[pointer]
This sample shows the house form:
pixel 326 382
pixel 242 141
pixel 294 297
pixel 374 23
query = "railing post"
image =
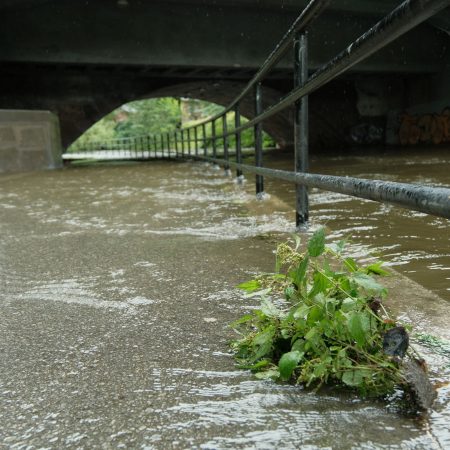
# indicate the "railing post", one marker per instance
pixel 301 126
pixel 182 143
pixel 155 144
pixel 205 149
pixel 258 140
pixel 225 143
pixel 175 138
pixel 196 140
pixel 189 141
pixel 213 135
pixel 148 146
pixel 237 124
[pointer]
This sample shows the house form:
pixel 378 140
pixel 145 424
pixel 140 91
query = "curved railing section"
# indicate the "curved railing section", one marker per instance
pixel 193 141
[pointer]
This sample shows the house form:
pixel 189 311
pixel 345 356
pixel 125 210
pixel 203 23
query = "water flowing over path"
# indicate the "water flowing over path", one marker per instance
pixel 117 288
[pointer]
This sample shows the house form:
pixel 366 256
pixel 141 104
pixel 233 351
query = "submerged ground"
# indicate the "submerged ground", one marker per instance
pixel 118 285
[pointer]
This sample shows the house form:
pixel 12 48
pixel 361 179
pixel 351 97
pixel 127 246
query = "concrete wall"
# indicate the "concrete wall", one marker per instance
pixel 29 140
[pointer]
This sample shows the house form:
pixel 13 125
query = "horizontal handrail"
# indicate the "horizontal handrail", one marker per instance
pixel 308 15
pixel 402 19
pixel 410 13
pixel 426 199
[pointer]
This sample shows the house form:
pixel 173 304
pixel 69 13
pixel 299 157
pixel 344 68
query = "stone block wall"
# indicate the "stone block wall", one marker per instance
pixel 29 140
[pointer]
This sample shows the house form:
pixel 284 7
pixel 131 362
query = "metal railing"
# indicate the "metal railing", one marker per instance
pixel 178 143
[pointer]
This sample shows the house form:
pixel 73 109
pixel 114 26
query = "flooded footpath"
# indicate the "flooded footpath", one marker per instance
pixel 117 286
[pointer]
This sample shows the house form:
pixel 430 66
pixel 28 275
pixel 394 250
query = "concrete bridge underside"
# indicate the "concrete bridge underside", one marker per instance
pixel 83 59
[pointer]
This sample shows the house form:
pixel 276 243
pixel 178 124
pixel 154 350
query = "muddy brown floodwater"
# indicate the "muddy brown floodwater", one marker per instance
pixel 117 285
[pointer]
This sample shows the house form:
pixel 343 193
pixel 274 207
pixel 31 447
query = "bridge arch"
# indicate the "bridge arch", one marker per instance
pixel 331 110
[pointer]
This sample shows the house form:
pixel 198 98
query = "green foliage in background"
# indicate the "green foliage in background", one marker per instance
pixel 320 321
pixel 162 115
pixel 137 118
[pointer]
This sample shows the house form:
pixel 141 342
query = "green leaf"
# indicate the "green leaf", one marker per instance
pixel 269 309
pixel 316 244
pixel 356 328
pixel 355 377
pixel 349 304
pixel 298 275
pixel 259 365
pixel 351 265
pixel 368 283
pixel 241 320
pixel 289 292
pixel 377 269
pixel 288 363
pixel 301 312
pixel 321 284
pixel 298 345
pixel 263 342
pixel 315 314
pixel 250 286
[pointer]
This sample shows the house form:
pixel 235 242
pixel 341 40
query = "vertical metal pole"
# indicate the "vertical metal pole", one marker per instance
pixel 225 143
pixel 237 124
pixel 213 135
pixel 258 140
pixel 168 145
pixel 148 146
pixel 205 150
pixel 182 143
pixel 155 144
pixel 301 127
pixel 189 141
pixel 175 137
pixel 196 141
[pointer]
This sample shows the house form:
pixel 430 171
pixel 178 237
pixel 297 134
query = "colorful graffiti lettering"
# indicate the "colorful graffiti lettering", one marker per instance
pixel 426 128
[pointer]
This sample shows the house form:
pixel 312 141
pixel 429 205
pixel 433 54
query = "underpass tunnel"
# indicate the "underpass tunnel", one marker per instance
pixel 153 118
pixel 333 110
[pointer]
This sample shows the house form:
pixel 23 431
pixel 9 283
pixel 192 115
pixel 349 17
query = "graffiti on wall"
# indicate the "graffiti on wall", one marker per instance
pixel 424 128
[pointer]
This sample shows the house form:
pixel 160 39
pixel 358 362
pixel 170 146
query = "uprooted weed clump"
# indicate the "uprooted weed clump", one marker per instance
pixel 321 320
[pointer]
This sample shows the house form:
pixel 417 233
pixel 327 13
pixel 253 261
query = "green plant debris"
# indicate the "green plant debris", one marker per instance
pixel 321 321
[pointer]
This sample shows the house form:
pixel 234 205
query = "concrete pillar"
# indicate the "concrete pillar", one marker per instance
pixel 29 140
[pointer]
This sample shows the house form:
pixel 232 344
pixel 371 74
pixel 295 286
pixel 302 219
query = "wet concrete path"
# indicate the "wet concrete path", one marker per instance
pixel 117 288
